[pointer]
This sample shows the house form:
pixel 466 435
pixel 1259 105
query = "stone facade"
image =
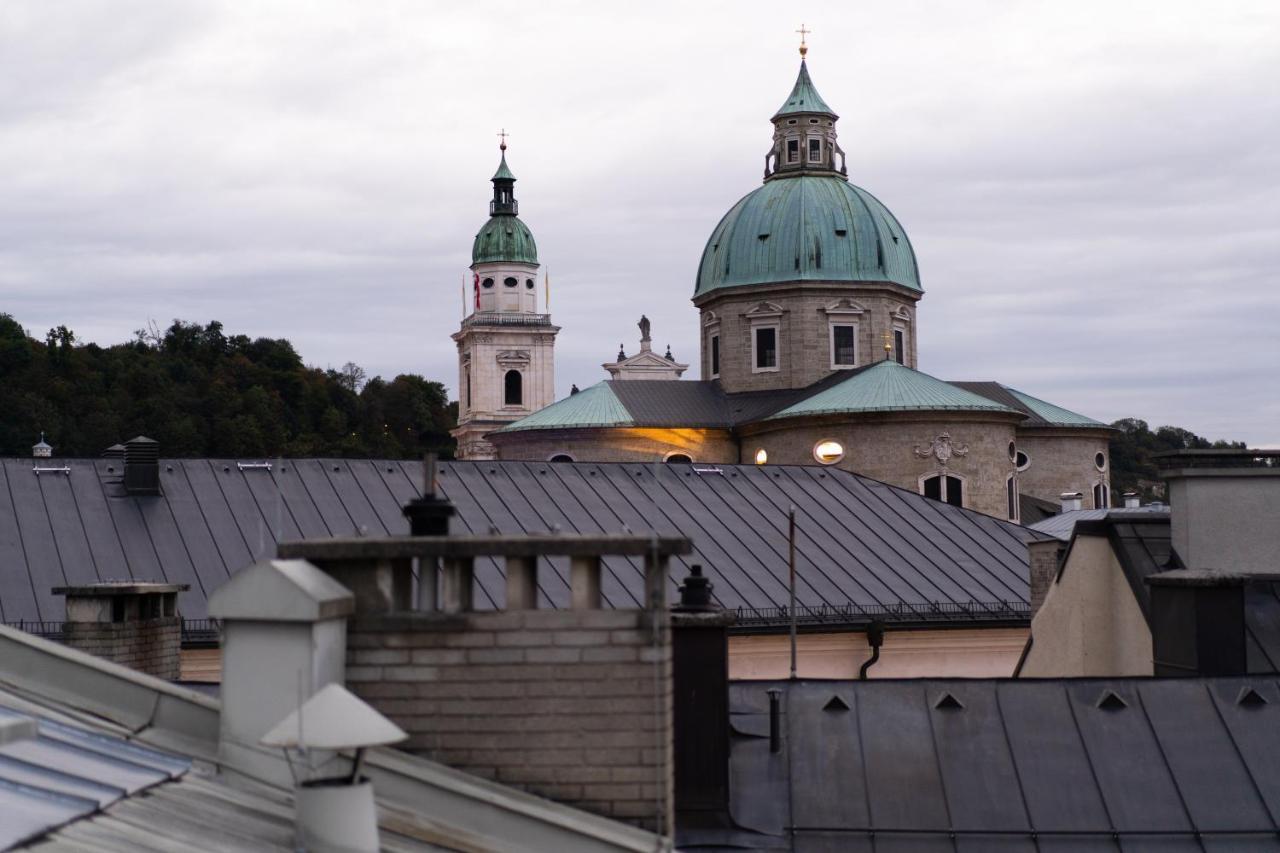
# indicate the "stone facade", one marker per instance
pixel 617 444
pixel 152 646
pixel 803 313
pixel 1043 558
pixel 571 705
pixel 1062 460
pixel 883 446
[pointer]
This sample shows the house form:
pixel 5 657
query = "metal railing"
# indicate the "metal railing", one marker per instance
pixel 194 631
pixel 854 614
pixel 496 318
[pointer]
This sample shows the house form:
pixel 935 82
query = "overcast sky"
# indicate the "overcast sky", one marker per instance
pixel 1092 188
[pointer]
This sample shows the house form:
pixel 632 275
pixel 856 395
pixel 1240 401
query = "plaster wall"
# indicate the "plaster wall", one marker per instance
pixel 485 353
pixel 618 445
pixel 1062 460
pixel 522 298
pixel 937 653
pixel 882 446
pixel 1090 624
pixel 1226 519
pixel 804 340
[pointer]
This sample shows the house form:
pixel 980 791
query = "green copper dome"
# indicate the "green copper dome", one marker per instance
pixel 807 227
pixel 804 97
pixel 504 238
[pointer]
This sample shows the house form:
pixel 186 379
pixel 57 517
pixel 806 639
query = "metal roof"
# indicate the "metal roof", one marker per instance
pixel 504 237
pixel 597 406
pixel 864 548
pixel 804 97
pixel 805 227
pixel 1062 525
pixel 1039 413
pixel 887 386
pixel 957 765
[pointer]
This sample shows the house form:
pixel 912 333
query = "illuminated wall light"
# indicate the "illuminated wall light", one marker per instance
pixel 762 456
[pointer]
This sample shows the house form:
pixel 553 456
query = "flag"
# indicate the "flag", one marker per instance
pixel 477 288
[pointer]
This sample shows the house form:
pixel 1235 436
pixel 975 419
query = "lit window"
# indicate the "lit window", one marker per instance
pixel 900 346
pixel 1101 495
pixel 762 456
pixel 793 151
pixel 1100 461
pixel 715 355
pixel 1011 495
pixel 828 452
pixel 679 459
pixel 943 487
pixel 766 348
pixel 844 346
pixel 513 385
pixel 815 150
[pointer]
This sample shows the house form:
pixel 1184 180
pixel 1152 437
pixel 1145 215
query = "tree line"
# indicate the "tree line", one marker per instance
pixel 201 392
pixel 1132 449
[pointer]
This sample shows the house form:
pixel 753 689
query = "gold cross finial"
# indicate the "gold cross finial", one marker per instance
pixel 803 47
pixel 502 146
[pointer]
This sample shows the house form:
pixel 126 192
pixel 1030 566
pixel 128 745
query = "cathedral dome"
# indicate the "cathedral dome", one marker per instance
pixel 504 238
pixel 807 228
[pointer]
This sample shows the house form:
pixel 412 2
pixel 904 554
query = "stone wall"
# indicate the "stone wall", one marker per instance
pixel 804 348
pixel 571 705
pixel 882 446
pixel 1062 460
pixel 1044 567
pixel 618 445
pixel 152 646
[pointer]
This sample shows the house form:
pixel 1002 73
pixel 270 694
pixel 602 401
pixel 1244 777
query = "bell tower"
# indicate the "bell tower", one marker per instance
pixel 506 349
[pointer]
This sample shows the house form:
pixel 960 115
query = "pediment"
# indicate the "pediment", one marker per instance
pixel 765 309
pixel 844 306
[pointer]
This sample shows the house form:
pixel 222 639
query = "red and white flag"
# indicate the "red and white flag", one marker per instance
pixel 477 288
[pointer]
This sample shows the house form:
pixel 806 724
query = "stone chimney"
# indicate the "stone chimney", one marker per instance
pixel 1071 501
pixel 1224 506
pixel 284 636
pixel 1132 501
pixel 141 466
pixel 136 624
pixel 573 704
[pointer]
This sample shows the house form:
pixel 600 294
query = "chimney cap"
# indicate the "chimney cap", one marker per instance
pixel 109 588
pixel 334 718
pixel 141 439
pixel 281 591
pixel 1208 577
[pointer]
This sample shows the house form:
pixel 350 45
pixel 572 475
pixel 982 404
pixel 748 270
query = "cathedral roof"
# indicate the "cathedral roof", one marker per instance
pixel 596 406
pixel 808 228
pixel 503 173
pixel 1039 413
pixel 887 386
pixel 504 238
pixel 804 97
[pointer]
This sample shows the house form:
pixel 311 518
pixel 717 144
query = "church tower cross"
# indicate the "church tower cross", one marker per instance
pixel 803 32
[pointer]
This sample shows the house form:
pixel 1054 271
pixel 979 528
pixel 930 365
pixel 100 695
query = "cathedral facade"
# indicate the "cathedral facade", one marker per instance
pixel 807 293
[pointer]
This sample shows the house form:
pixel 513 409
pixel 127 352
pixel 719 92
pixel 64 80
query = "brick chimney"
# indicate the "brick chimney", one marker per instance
pixel 574 704
pixel 136 624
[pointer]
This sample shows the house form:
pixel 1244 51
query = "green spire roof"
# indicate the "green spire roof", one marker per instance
pixel 1054 415
pixel 804 98
pixel 596 406
pixel 887 386
pixel 503 173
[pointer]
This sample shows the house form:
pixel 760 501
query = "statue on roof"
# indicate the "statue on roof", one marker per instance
pixel 644 329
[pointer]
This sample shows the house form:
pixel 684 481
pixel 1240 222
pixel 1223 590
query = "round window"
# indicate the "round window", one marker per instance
pixel 528 284
pixel 1100 461
pixel 828 451
pixel 510 282
pixel 1022 461
pixel 1013 452
pixel 488 282
pixel 762 456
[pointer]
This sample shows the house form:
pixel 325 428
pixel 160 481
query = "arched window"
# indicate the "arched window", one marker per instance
pixel 1011 495
pixel 561 457
pixel 678 458
pixel 513 386
pixel 943 487
pixel 1101 496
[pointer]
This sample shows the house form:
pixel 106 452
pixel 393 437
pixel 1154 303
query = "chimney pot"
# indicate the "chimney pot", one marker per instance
pixel 1071 501
pixel 1132 501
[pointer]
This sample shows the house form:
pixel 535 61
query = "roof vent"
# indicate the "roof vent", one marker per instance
pixel 1111 701
pixel 115 451
pixel 835 703
pixel 141 466
pixel 947 702
pixel 1250 698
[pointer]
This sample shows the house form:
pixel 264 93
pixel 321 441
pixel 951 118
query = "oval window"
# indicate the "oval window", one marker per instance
pixel 488 282
pixel 762 456
pixel 528 284
pixel 828 451
pixel 510 282
pixel 1100 461
pixel 1022 461
pixel 1013 452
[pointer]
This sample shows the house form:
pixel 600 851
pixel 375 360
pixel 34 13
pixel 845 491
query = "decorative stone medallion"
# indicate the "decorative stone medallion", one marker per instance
pixel 942 449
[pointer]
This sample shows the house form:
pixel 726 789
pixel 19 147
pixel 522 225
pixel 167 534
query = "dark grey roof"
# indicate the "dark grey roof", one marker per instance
pixel 673 402
pixel 1033 510
pixel 1063 524
pixel 864 548
pixel 984 765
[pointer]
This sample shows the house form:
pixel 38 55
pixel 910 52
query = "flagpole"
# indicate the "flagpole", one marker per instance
pixel 546 288
pixel 464 296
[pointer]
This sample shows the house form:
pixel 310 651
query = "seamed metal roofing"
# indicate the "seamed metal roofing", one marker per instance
pixel 997 765
pixel 864 549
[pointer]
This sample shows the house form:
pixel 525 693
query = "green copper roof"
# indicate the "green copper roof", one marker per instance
pixel 1055 415
pixel 596 406
pixel 503 172
pixel 804 98
pixel 504 238
pixel 887 386
pixel 807 228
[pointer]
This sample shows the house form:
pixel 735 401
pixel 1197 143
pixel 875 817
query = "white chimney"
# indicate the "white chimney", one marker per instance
pixel 284 637
pixel 1132 501
pixel 1071 501
pixel 334 814
pixel 41 449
